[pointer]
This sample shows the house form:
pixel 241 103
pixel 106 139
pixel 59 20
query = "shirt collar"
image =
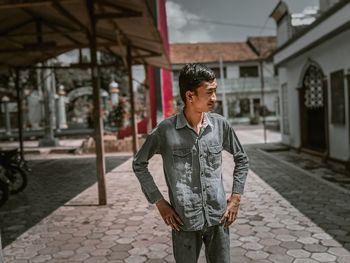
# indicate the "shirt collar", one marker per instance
pixel 181 120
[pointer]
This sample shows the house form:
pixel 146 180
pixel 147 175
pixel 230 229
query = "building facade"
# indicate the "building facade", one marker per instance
pixel 314 72
pixel 239 77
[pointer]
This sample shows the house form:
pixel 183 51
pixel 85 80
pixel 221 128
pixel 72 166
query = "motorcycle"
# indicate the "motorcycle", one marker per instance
pixel 13 171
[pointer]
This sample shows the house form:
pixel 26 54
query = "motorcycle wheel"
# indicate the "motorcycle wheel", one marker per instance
pixel 18 179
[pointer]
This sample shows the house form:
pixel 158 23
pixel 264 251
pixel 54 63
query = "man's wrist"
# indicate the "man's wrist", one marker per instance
pixel 235 197
pixel 159 202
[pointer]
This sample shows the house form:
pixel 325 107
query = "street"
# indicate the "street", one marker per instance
pixel 285 216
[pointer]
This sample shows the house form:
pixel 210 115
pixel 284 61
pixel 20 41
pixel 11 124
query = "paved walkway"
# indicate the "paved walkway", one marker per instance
pixel 285 217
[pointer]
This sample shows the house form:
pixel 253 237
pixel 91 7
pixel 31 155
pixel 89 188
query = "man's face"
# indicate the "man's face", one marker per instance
pixel 204 99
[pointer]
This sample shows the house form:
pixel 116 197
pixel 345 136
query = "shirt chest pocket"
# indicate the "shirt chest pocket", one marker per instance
pixel 214 156
pixel 182 161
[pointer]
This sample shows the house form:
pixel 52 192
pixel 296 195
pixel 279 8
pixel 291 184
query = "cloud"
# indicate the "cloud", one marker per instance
pixel 183 27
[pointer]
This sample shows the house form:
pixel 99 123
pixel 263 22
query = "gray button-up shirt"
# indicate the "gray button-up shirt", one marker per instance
pixel 192 165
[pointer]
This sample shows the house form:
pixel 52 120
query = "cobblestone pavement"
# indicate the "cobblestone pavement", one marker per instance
pixel 285 217
pixel 334 173
pixel 51 184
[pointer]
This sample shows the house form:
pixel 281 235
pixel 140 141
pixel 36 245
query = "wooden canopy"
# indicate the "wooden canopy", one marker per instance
pixel 32 31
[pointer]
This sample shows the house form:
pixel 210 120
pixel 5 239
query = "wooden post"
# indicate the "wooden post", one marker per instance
pixel 98 121
pixel 132 102
pixel 19 113
pixel 1 253
pixel 262 95
pixel 148 101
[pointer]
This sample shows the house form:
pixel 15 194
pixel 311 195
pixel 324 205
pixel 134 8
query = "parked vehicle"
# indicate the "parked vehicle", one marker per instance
pixel 13 171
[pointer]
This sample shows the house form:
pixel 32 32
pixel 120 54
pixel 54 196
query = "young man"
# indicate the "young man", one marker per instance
pixel 190 144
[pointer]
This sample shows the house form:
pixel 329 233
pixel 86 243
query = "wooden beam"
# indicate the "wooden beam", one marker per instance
pixel 40 45
pixel 117 15
pixel 52 48
pixel 7 31
pixel 155 54
pixel 48 20
pixel 132 102
pixel 98 121
pixel 73 19
pixel 19 112
pixel 66 35
pixel 115 5
pixel 55 31
pixel 13 4
pixel 39 30
pixel 57 5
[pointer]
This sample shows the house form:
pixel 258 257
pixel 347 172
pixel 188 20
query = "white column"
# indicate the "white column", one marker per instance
pixel 62 117
pixel 251 105
pixel 114 91
pixel 49 139
pixel 224 102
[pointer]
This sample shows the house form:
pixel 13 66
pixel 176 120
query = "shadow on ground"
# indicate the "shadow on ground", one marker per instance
pixel 327 207
pixel 51 184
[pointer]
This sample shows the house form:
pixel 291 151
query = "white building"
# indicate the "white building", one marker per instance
pixel 241 73
pixel 314 73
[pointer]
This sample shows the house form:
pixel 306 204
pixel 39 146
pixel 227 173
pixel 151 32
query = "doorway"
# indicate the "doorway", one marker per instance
pixel 313 110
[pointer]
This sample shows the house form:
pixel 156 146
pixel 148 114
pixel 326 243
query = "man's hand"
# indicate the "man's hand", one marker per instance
pixel 169 215
pixel 231 210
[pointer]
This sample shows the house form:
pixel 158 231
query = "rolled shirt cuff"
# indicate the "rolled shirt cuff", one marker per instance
pixel 154 196
pixel 238 188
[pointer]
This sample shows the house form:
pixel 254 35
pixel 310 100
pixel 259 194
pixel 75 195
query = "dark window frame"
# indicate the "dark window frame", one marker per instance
pixel 337 82
pixel 249 71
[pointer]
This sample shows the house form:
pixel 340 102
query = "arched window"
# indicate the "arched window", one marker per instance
pixel 313 85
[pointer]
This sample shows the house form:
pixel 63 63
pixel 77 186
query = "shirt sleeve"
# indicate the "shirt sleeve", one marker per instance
pixel 233 146
pixel 140 166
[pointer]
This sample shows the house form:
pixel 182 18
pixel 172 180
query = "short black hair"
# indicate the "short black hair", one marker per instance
pixel 191 76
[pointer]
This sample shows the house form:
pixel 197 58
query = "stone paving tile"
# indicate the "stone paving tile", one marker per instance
pixel 271 225
pixel 331 172
pixel 51 184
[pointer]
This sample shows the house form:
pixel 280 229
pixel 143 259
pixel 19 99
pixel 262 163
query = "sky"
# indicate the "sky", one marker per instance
pixel 224 20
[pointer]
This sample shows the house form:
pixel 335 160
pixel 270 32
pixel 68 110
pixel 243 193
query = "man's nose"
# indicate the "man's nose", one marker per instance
pixel 213 97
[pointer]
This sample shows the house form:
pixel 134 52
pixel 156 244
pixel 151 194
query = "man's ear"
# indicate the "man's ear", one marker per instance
pixel 189 95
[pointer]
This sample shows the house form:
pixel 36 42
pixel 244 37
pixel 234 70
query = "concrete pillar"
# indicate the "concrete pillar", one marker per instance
pixel 5 101
pixel 251 105
pixel 114 91
pixel 49 139
pixel 61 109
pixel 224 101
pixel 57 113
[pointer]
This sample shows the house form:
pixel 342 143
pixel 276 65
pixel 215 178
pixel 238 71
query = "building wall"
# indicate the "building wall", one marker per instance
pixel 284 30
pixel 331 56
pixel 241 88
pixel 326 4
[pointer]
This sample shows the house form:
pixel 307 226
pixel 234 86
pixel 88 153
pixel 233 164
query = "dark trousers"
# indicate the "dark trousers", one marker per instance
pixel 187 245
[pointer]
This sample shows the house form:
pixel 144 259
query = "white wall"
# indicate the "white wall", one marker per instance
pixel 326 4
pixel 283 30
pixel 232 71
pixel 332 55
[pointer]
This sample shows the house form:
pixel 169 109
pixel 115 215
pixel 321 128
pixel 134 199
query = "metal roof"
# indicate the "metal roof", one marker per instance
pixel 33 31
